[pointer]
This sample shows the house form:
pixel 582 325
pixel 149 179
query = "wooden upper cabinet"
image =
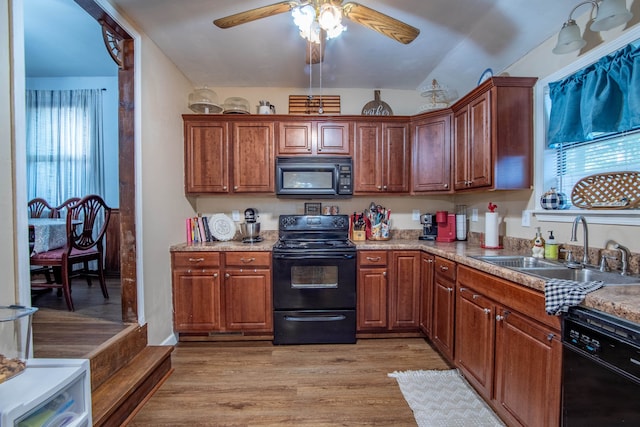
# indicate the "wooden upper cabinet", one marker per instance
pixel 206 157
pixel 431 154
pixel 493 135
pixel 381 157
pixel 253 158
pixel 311 137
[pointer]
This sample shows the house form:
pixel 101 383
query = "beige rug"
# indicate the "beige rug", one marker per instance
pixel 444 399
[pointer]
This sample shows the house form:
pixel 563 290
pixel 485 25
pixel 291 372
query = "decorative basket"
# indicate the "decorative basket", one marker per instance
pixel 613 190
pixel 552 199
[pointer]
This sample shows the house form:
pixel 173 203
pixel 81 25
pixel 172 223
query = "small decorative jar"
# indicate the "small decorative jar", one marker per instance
pixel 553 199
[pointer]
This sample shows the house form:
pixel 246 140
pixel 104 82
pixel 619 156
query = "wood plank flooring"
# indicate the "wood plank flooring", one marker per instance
pixel 59 333
pixel 259 384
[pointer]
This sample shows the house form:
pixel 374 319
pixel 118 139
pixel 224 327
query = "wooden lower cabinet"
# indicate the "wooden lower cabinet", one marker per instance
pixel 388 295
pixel 196 291
pixel 513 360
pixel 444 306
pixel 222 292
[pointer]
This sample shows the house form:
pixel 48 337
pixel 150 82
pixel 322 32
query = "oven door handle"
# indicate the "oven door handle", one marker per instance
pixel 316 318
pixel 313 257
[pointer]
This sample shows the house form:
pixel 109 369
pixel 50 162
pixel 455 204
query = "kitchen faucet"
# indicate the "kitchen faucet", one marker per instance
pixel 574 231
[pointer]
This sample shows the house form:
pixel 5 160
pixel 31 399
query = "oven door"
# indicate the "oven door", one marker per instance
pixel 308 281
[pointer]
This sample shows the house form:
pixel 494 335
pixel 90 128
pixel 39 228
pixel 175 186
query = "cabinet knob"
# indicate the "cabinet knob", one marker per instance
pixel 446 186
pixel 319 149
pixel 384 187
pixel 444 268
pixel 463 289
pixel 215 275
pixel 449 289
pixel 487 311
pixel 499 318
pixel 235 187
pixel 224 187
pixel 379 187
pixel 384 274
pixel 227 275
pixel 550 337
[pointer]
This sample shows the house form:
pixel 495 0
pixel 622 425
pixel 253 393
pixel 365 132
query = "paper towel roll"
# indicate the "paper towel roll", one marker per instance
pixel 491 235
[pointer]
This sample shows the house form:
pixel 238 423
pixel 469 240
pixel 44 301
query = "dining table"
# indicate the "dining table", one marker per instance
pixel 46 234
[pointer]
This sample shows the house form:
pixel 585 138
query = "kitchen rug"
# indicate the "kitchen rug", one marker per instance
pixel 444 399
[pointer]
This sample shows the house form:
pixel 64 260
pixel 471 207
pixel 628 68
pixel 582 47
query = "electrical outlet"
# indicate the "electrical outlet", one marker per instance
pixel 416 215
pixel 474 215
pixel 235 215
pixel 526 218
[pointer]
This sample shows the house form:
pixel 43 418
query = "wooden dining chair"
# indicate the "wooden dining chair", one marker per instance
pixel 61 210
pixel 84 244
pixel 40 208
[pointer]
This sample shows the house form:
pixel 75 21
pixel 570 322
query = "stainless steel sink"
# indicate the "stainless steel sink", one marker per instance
pixel 518 261
pixel 547 269
pixel 582 275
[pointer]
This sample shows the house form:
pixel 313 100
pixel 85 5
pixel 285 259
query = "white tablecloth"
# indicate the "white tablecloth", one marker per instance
pixel 48 233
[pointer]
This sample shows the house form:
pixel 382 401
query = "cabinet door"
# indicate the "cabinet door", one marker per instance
pixel 253 165
pixel 528 371
pixel 294 138
pixel 404 291
pixel 206 158
pixel 395 162
pixel 248 301
pixel 196 300
pixel 431 155
pixel 479 148
pixel 368 158
pixel 334 138
pixel 443 316
pixel 372 298
pixel 426 294
pixel 474 336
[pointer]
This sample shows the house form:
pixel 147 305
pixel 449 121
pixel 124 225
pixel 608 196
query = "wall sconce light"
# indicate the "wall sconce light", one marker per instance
pixel 609 14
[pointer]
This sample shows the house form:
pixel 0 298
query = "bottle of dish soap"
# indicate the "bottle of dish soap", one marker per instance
pixel 551 247
pixel 538 245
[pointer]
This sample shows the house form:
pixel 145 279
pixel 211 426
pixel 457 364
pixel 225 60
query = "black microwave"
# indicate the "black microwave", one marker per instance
pixel 314 177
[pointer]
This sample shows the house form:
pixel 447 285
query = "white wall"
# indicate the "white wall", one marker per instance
pixel 110 121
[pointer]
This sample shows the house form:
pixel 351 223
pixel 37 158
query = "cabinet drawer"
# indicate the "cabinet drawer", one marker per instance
pixel 195 259
pixel 446 269
pixel 248 259
pixel 370 258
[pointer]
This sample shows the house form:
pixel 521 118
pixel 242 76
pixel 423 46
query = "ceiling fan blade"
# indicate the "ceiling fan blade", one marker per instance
pixel 253 14
pixel 384 24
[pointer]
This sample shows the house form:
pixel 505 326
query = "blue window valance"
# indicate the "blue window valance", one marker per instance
pixel 603 98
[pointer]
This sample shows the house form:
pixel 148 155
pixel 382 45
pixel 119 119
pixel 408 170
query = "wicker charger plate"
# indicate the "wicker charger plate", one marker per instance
pixel 613 190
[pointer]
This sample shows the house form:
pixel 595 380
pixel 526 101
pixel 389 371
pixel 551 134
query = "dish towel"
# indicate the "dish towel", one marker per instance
pixel 560 294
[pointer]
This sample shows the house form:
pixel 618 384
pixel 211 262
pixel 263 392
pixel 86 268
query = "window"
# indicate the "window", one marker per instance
pixel 64 144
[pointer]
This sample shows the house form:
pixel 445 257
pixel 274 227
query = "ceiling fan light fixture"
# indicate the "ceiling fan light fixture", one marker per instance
pixel 327 18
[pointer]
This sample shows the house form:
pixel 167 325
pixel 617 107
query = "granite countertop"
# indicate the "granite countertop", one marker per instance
pixel 622 301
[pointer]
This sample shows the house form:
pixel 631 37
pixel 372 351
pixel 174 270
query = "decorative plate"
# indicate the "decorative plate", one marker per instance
pixel 222 227
pixel 486 75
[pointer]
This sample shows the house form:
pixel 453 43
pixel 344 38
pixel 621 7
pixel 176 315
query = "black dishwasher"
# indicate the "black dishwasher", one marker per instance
pixel 601 370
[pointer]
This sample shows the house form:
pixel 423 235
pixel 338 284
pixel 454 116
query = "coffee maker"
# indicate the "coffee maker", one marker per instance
pixel 429 227
pixel 250 229
pixel 446 226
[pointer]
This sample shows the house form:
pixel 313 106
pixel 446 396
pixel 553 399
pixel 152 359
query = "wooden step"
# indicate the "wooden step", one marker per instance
pixel 120 396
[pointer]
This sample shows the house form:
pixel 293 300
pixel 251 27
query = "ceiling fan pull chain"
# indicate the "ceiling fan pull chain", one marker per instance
pixel 320 109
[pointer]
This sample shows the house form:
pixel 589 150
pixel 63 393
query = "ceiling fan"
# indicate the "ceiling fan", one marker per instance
pixel 363 15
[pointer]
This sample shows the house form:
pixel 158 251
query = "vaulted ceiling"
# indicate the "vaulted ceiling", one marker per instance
pixel 458 40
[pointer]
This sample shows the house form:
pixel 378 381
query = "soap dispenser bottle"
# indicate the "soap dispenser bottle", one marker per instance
pixel 537 249
pixel 551 247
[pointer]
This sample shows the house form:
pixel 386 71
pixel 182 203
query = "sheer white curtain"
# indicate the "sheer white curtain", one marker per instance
pixel 65 156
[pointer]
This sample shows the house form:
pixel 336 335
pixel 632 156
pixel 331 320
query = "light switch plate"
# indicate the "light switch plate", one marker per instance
pixel 526 218
pixel 235 215
pixel 474 215
pixel 416 215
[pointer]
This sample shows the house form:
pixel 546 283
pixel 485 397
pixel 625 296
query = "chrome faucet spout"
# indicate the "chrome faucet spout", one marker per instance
pixel 585 233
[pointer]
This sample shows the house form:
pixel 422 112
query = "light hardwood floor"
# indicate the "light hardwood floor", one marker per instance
pixel 59 333
pixel 259 384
